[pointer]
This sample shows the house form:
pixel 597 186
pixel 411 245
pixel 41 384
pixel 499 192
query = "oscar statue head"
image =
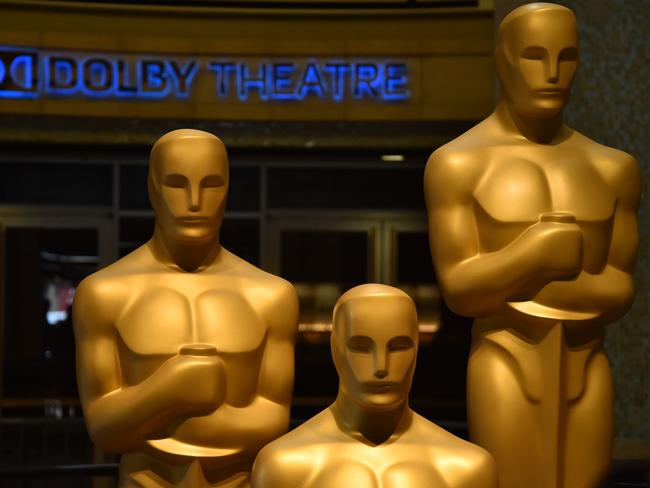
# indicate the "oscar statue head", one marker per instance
pixel 536 58
pixel 188 185
pixel 374 345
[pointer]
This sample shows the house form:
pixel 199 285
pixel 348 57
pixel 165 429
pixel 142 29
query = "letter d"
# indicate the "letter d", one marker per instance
pixel 62 75
pixel 21 71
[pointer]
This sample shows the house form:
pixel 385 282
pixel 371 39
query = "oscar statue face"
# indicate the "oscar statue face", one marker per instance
pixel 374 350
pixel 188 184
pixel 537 57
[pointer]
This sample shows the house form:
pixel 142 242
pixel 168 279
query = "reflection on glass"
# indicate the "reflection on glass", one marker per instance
pixel 323 264
pixel 439 385
pixel 58 290
pixel 412 271
pixel 427 301
pixel 56 184
pixel 43 267
pixel 346 188
pixel 325 256
pixel 317 300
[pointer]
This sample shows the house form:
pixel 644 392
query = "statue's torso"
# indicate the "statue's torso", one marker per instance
pixel 542 339
pixel 522 182
pixel 166 310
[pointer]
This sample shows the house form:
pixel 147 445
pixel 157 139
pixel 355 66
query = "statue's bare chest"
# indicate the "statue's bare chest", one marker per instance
pixel 164 315
pixel 395 469
pixel 517 189
pixel 520 187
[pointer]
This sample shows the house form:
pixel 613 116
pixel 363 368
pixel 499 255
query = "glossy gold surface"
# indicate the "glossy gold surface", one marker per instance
pixel 533 233
pixel 369 437
pixel 184 350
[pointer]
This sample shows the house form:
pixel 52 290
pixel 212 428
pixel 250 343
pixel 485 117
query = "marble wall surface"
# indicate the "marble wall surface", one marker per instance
pixel 610 103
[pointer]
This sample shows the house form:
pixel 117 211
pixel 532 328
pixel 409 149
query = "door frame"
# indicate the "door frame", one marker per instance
pixel 390 228
pixel 381 227
pixel 317 221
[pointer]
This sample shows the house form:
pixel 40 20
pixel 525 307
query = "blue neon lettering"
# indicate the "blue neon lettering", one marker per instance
pixel 62 77
pixel 282 85
pixel 396 82
pixel 97 77
pixel 245 82
pixel 183 76
pixel 155 83
pixel 223 72
pixel 20 75
pixel 28 74
pixel 21 71
pixel 123 74
pixel 366 80
pixel 312 81
pixel 337 72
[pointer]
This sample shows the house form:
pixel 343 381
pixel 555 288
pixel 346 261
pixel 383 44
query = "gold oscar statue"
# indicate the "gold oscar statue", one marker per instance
pixel 533 233
pixel 184 350
pixel 369 437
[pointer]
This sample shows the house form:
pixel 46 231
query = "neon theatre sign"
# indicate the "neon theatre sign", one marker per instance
pixel 26 73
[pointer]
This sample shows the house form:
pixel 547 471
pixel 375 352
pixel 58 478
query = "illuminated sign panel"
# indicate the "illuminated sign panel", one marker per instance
pixel 33 74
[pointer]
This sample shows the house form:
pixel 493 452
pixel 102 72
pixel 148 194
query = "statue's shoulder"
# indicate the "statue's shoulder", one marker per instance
pixel 271 286
pixel 442 440
pixel 318 431
pixel 601 152
pixel 618 168
pixel 471 466
pixel 274 298
pixel 461 162
pixel 292 459
pixel 114 281
pixel 96 302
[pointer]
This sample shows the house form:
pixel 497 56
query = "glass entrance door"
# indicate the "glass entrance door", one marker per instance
pixel 322 256
pixel 43 260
